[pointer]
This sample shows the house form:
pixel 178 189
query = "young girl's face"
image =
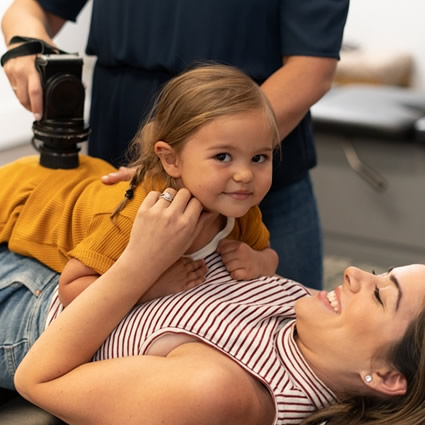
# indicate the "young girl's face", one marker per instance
pixel 227 163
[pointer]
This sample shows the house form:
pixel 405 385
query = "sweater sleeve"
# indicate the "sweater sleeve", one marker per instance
pixel 106 240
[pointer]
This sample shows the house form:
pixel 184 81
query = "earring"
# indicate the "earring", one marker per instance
pixel 368 379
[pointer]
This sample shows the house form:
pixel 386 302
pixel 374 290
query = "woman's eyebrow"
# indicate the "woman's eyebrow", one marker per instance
pixel 398 287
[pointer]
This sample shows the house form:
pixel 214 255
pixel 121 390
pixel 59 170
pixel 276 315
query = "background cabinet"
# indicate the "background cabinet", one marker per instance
pixel 362 222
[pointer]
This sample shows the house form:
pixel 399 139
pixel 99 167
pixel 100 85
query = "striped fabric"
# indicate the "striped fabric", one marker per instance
pixel 253 322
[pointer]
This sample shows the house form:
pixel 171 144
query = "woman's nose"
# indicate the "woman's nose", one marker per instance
pixel 355 278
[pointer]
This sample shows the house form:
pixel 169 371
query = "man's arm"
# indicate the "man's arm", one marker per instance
pixel 292 90
pixel 28 18
pixel 296 86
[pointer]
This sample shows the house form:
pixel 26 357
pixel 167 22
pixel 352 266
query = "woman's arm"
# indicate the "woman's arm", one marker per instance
pixel 58 363
pixel 27 18
pixel 195 384
pixel 296 86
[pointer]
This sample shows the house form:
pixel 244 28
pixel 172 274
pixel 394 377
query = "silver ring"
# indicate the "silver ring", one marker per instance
pixel 167 196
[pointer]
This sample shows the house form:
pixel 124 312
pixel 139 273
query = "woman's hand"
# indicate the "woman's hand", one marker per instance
pixel 162 231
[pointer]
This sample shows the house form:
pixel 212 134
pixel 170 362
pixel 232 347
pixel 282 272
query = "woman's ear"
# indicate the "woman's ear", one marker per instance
pixel 168 157
pixel 387 381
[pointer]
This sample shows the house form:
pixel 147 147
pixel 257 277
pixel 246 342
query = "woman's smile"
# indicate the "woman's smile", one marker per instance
pixel 330 300
pixel 334 302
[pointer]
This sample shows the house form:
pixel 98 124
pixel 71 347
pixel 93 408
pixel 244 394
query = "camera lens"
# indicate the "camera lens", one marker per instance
pixel 65 97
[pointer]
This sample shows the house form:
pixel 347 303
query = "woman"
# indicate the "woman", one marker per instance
pixel 363 340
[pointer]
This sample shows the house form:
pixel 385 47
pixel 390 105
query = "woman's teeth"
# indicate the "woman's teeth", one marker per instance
pixel 333 301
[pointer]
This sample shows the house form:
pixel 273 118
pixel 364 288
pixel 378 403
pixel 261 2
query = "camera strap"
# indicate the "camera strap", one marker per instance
pixel 30 46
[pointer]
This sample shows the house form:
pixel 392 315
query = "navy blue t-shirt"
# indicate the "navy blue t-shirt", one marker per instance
pixel 140 44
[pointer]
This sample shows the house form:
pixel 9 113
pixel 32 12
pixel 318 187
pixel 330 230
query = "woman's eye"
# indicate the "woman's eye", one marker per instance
pixel 259 158
pixel 378 295
pixel 223 157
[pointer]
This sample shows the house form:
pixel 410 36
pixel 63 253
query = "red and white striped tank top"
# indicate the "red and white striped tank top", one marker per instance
pixel 253 322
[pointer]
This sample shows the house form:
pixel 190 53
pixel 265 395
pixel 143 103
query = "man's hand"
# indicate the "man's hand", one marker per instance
pixel 122 174
pixel 25 82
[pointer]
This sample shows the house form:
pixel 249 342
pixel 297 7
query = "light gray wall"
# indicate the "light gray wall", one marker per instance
pixel 390 25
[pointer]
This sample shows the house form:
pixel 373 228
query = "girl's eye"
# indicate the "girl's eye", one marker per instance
pixel 378 295
pixel 259 158
pixel 223 157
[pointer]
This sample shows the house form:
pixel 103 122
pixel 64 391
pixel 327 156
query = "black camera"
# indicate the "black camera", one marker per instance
pixel 62 127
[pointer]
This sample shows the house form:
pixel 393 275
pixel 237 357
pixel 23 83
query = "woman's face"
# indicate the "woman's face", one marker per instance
pixel 362 316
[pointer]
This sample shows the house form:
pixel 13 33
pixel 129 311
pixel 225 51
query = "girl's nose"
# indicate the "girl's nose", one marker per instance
pixel 243 174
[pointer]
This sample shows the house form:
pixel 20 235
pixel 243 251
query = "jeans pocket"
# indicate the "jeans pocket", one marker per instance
pixel 11 356
pixel 17 270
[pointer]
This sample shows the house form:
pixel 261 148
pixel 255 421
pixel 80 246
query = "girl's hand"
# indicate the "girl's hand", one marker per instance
pixel 244 262
pixel 182 275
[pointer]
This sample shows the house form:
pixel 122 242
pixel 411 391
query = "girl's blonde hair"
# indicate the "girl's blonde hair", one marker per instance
pixel 184 104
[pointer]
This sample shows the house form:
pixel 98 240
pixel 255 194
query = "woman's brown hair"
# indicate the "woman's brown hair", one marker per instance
pixel 187 102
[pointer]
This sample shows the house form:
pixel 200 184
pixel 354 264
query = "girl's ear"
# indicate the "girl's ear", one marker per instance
pixel 168 157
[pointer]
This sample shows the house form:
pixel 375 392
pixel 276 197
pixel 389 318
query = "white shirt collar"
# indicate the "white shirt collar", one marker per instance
pixel 211 246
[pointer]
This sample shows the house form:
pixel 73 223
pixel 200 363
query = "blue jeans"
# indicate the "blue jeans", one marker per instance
pixel 292 218
pixel 26 288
